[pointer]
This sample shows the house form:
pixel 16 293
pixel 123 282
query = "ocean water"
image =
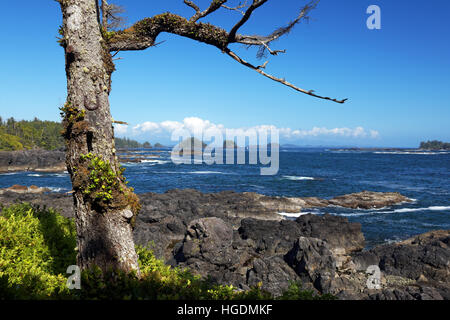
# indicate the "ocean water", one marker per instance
pixel 322 173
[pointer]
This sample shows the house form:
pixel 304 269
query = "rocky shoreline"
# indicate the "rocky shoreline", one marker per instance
pixel 54 161
pixel 32 160
pixel 240 239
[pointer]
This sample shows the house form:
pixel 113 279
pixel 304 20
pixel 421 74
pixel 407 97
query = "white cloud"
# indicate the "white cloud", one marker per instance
pixel 163 130
pixel 374 134
pixel 120 129
pixel 146 127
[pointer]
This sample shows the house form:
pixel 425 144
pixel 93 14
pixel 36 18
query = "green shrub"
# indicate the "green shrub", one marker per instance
pixel 37 245
pixel 295 292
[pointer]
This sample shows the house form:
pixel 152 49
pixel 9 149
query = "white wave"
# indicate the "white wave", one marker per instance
pixel 56 189
pixel 362 209
pixel 294 215
pixel 207 172
pixel 409 152
pixel 193 172
pixel 8 173
pixel 439 208
pixel 391 241
pixel 60 175
pixel 155 161
pixel 298 178
pixel 35 175
pixel 406 210
pixel 354 214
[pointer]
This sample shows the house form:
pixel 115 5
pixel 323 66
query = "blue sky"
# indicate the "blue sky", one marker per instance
pixel 397 79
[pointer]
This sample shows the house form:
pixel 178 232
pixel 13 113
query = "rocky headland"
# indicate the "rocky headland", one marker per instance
pixel 240 239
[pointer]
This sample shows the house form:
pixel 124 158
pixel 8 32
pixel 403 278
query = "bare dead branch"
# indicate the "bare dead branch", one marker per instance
pixel 119 122
pixel 263 66
pixel 104 6
pixel 256 4
pixel 237 8
pixel 265 40
pixel 215 4
pixel 192 5
pixel 272 52
pixel 111 18
pixel 282 81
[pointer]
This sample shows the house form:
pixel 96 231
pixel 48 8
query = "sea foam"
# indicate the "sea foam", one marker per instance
pixel 298 178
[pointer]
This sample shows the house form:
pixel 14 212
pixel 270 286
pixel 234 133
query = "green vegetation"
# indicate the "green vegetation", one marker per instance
pixel 24 134
pixel 435 145
pixel 37 245
pixel 99 183
pixel 102 178
pixel 19 135
pixel 295 292
pixel 126 143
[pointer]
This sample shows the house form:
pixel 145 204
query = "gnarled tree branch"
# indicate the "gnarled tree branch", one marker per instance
pixel 143 35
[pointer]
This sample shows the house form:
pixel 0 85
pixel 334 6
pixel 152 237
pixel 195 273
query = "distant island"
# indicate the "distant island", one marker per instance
pixel 37 134
pixel 435 145
pixel 126 143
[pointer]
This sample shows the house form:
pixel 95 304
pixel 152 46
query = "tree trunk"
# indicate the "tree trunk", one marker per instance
pixel 105 207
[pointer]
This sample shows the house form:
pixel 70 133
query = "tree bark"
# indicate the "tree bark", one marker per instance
pixel 105 207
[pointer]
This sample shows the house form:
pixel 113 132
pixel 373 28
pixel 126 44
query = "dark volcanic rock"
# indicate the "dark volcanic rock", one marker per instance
pixel 32 160
pixel 59 201
pixel 426 256
pixel 340 234
pixel 313 261
pixel 273 273
pixel 270 237
pixel 208 249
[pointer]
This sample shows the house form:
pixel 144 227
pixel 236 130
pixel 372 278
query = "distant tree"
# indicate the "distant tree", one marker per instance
pixel 126 143
pixel 9 142
pixel 33 134
pixel 435 145
pixel 147 145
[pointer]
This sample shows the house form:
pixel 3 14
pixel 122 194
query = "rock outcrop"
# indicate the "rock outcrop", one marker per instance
pixel 239 239
pixel 369 200
pixel 32 160
pixel 24 189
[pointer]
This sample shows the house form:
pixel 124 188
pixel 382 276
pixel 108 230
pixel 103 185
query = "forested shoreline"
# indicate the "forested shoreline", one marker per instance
pixel 42 134
pixel 435 145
